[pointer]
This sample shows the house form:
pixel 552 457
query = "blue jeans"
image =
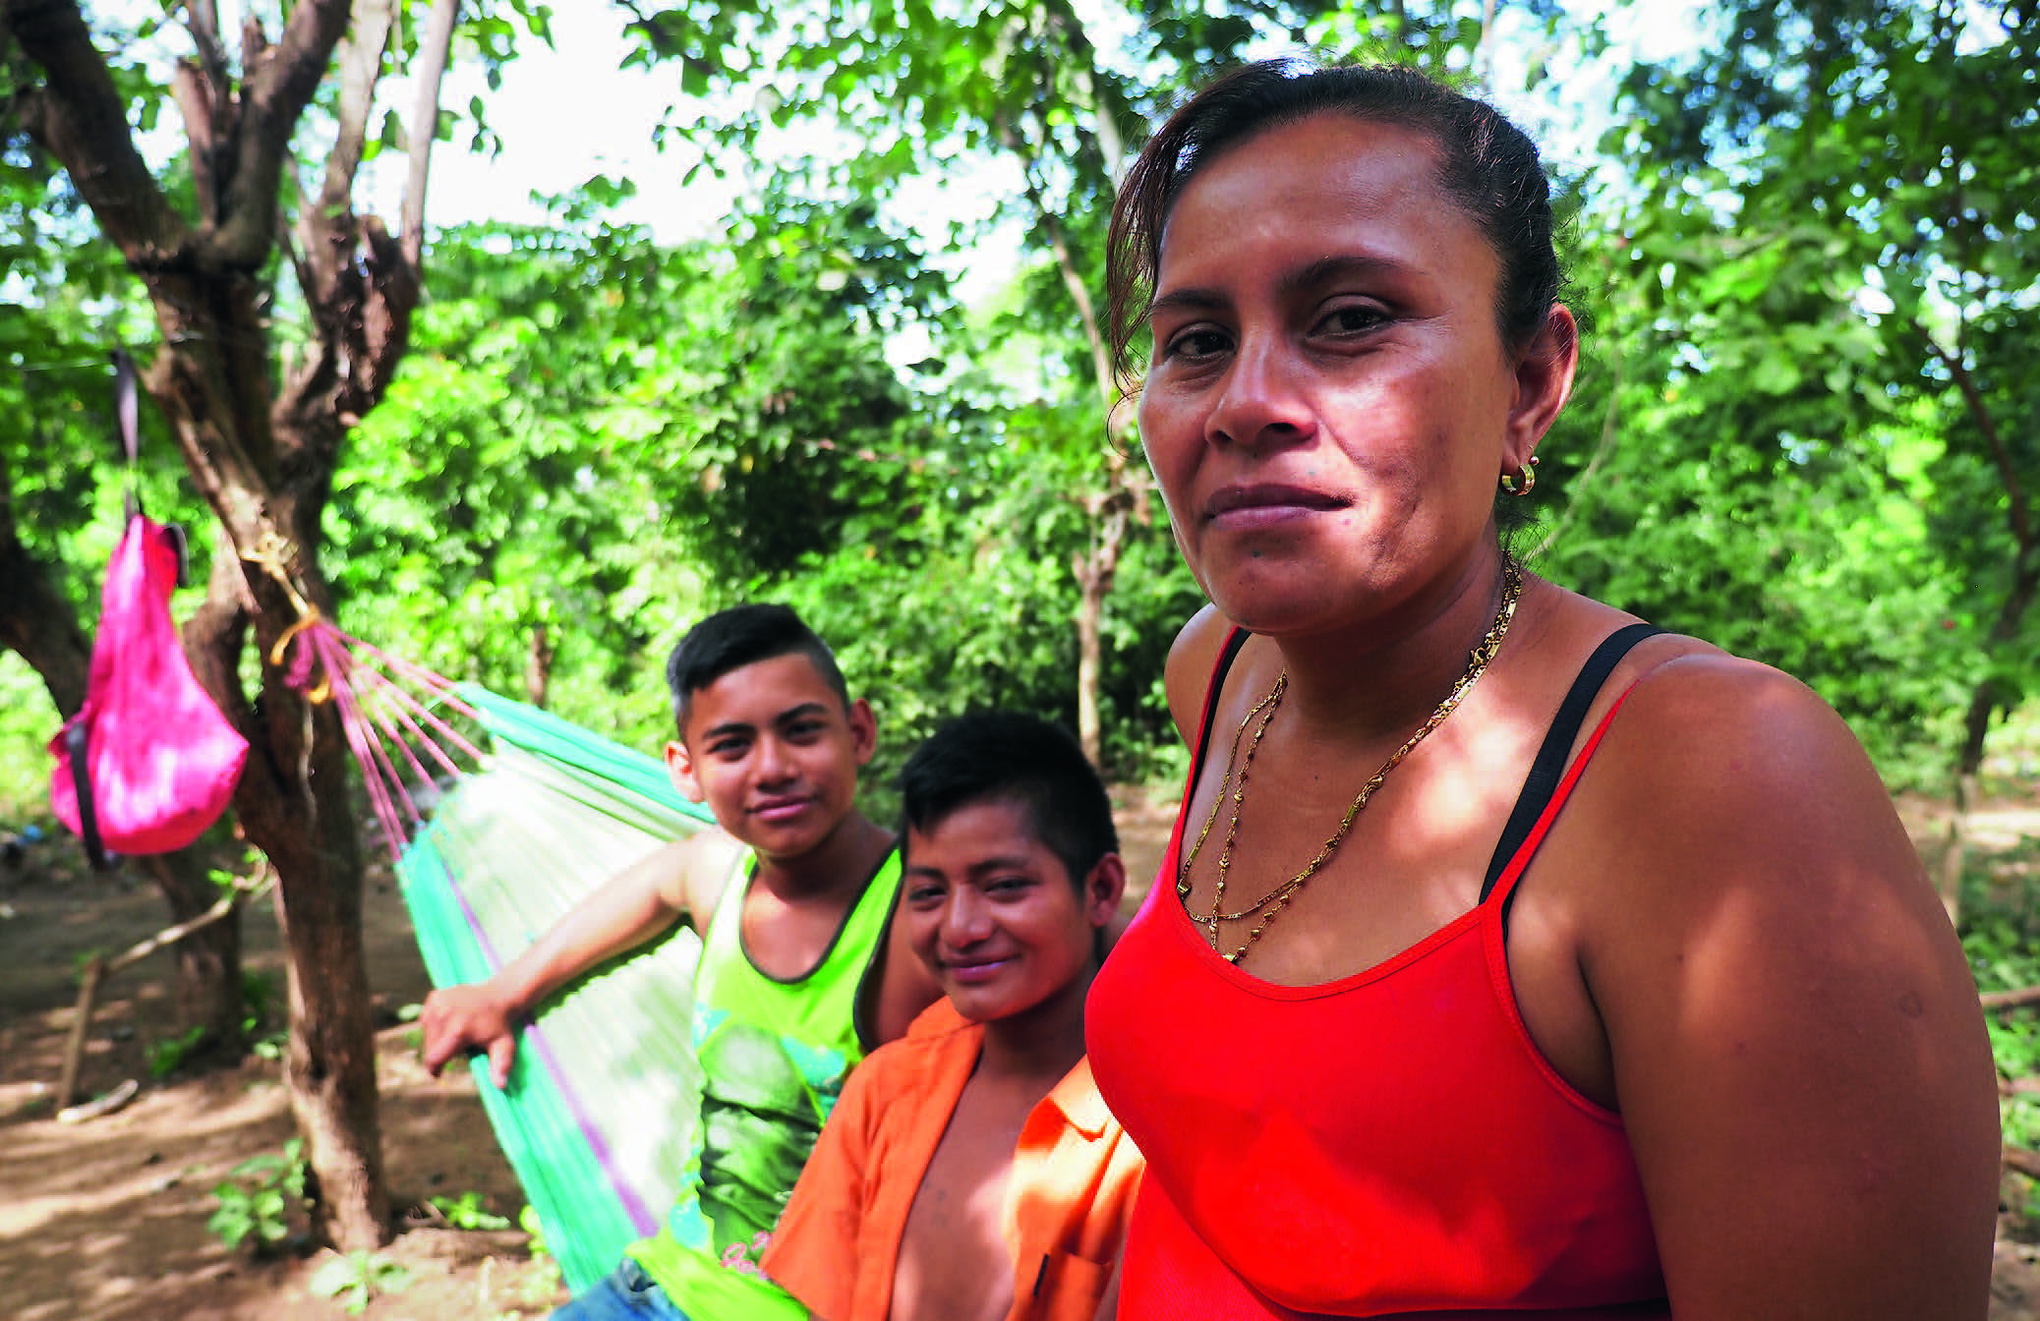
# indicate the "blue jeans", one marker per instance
pixel 625 1294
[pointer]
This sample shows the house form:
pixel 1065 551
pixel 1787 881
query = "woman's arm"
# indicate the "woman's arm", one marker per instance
pixel 1797 1047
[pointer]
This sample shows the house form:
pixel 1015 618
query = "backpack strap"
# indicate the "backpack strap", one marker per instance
pixel 77 749
pixel 126 411
pixel 127 414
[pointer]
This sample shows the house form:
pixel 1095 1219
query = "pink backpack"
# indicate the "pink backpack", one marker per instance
pixel 148 762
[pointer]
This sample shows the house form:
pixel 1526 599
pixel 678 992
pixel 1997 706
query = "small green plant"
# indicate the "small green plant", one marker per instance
pixel 166 1057
pixel 528 1221
pixel 353 1278
pixel 257 1199
pixel 258 993
pixel 545 1282
pixel 2002 956
pixel 466 1212
pixel 224 879
pixel 414 1040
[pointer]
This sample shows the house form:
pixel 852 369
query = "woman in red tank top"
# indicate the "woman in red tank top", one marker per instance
pixel 1509 955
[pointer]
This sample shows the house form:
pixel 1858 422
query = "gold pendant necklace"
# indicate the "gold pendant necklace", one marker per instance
pixel 1272 903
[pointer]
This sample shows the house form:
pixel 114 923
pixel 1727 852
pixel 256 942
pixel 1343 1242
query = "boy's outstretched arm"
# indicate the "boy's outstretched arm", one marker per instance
pixel 685 878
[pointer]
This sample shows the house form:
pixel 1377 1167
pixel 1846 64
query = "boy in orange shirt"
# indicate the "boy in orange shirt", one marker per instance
pixel 970 1171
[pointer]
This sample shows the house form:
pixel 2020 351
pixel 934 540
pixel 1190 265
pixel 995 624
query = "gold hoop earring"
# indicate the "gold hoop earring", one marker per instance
pixel 1524 482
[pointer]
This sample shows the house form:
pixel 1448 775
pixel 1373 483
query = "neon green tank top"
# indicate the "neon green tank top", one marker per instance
pixel 773 1059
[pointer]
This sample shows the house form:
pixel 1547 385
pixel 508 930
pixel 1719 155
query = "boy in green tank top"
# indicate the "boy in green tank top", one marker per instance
pixel 801 971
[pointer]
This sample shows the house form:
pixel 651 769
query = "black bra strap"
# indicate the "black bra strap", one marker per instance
pixel 1230 652
pixel 1549 768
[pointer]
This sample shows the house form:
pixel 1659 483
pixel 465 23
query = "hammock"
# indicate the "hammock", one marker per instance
pixel 491 847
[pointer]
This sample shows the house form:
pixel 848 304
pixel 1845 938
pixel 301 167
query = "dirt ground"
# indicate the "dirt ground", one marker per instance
pixel 106 1220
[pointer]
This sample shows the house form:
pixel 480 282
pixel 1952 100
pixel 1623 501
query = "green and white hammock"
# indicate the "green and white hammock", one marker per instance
pixel 531 814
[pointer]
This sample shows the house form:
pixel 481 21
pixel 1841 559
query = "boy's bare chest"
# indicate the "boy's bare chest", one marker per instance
pixel 789 941
pixel 955 1263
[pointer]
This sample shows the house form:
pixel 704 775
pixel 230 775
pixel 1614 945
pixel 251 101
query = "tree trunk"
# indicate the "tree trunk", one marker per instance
pixel 1094 569
pixel 329 1065
pixel 1955 856
pixel 37 622
pixel 1985 701
pixel 1983 704
pixel 1121 492
pixel 538 667
pixel 293 804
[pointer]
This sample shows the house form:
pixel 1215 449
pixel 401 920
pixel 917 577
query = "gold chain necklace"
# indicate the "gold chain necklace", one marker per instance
pixel 1236 768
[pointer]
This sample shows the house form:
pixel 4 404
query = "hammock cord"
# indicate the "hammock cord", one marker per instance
pixel 499 818
pixel 384 719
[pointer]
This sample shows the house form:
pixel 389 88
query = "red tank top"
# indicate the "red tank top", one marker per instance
pixel 1392 1141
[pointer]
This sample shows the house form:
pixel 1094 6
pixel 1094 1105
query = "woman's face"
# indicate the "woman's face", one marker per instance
pixel 1330 406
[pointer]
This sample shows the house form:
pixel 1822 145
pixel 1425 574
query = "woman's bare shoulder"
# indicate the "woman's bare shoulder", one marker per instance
pixel 1726 714
pixel 1188 671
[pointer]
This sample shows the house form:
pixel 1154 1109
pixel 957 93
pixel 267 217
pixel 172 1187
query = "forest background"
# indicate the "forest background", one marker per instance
pixel 530 454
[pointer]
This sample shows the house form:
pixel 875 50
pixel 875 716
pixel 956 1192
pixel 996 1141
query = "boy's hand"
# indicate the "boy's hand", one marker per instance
pixel 460 1019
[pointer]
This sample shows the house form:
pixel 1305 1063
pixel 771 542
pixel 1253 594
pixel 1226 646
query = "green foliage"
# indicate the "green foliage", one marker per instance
pixel 467 1212
pixel 28 720
pixel 528 1221
pixel 548 1280
pixel 963 601
pixel 258 998
pixel 259 1009
pixel 732 420
pixel 168 1056
pixel 493 493
pixel 261 1199
pixel 1815 283
pixel 353 1279
pixel 2004 955
pixel 941 566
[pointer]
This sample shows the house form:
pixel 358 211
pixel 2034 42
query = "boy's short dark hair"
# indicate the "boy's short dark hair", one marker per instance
pixel 1002 756
pixel 739 636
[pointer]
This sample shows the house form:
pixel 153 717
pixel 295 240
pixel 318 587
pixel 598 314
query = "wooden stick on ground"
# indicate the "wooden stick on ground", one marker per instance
pixel 99 968
pixel 2024 1161
pixel 2019 999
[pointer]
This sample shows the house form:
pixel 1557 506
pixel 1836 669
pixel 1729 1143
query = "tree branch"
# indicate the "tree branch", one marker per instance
pixel 360 61
pixel 1065 260
pixel 277 84
pixel 79 117
pixel 197 100
pixel 202 21
pixel 2018 999
pixel 1083 65
pixel 432 50
pixel 1979 413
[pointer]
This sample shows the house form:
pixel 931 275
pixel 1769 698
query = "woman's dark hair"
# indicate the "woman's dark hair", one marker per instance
pixel 1485 164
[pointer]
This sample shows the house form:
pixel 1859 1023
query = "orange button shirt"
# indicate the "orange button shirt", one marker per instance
pixel 1068 1198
